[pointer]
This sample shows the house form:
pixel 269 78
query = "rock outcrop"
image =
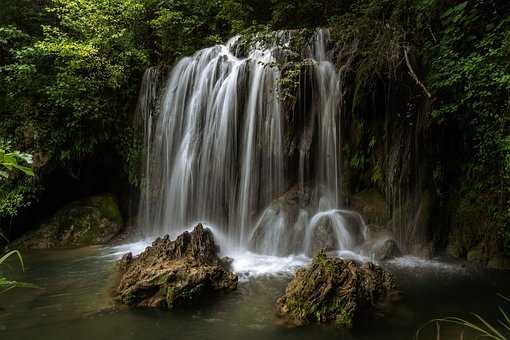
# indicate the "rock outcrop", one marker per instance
pixel 380 244
pixel 385 250
pixel 323 237
pixel 171 273
pixel 334 290
pixel 91 221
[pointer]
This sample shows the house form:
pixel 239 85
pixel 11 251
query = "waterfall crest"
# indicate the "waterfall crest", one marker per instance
pixel 218 150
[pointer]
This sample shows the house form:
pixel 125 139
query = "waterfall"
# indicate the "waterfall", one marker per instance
pixel 217 150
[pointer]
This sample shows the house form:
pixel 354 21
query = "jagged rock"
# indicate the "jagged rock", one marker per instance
pixel 386 250
pixel 94 220
pixel 334 290
pixel 170 273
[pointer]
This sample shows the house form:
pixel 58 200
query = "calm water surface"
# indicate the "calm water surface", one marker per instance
pixel 74 303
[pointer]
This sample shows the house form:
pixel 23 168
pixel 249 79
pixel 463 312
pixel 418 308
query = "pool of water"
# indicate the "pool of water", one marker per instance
pixel 73 301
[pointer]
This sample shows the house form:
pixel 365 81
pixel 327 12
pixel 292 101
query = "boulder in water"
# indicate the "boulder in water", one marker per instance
pixel 334 290
pixel 171 273
pixel 323 237
pixel 386 250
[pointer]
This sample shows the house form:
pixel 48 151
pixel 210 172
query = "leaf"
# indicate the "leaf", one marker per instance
pixel 12 253
pixel 8 285
pixel 27 171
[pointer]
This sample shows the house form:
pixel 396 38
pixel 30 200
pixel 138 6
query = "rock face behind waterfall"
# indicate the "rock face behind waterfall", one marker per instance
pixel 171 273
pixel 334 290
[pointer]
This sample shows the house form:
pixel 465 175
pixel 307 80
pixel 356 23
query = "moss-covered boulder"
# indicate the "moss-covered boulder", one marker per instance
pixel 477 254
pixel 385 250
pixel 379 244
pixel 91 221
pixel 172 273
pixel 323 237
pixel 474 235
pixel 334 290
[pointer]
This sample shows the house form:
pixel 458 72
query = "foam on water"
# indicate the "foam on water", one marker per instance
pixel 349 255
pixel 413 262
pixel 249 265
pixel 135 248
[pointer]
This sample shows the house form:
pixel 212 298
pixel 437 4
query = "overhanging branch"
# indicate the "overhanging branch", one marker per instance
pixel 413 74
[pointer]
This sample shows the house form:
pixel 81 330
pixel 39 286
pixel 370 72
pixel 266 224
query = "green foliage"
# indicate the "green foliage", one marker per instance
pixel 244 14
pixel 470 75
pixel 373 36
pixel 291 79
pixel 480 326
pixel 16 196
pixel 10 161
pixel 305 13
pixel 14 192
pixel 460 53
pixel 5 283
pixel 70 90
pixel 182 27
pixel 70 71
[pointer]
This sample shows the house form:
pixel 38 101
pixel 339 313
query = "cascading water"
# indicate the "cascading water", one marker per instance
pixel 216 151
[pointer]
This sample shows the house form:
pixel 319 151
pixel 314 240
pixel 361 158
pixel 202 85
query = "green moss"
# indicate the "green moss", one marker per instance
pixel 343 319
pixel 170 297
pixel 95 220
pixel 129 299
pixel 325 310
pixel 181 295
pixel 108 207
pixel 456 248
pixel 476 255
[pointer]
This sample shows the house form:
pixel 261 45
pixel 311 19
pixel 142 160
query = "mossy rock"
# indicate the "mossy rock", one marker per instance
pixel 386 250
pixel 499 262
pixel 456 249
pixel 371 205
pixel 91 221
pixel 334 290
pixel 477 254
pixel 169 274
pixel 473 235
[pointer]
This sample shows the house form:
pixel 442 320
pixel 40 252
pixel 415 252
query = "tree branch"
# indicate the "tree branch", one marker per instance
pixel 415 77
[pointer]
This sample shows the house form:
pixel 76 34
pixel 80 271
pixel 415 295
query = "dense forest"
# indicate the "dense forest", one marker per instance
pixel 424 107
pixel 71 71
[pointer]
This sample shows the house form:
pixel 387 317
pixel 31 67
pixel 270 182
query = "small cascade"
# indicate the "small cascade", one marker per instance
pixel 218 149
